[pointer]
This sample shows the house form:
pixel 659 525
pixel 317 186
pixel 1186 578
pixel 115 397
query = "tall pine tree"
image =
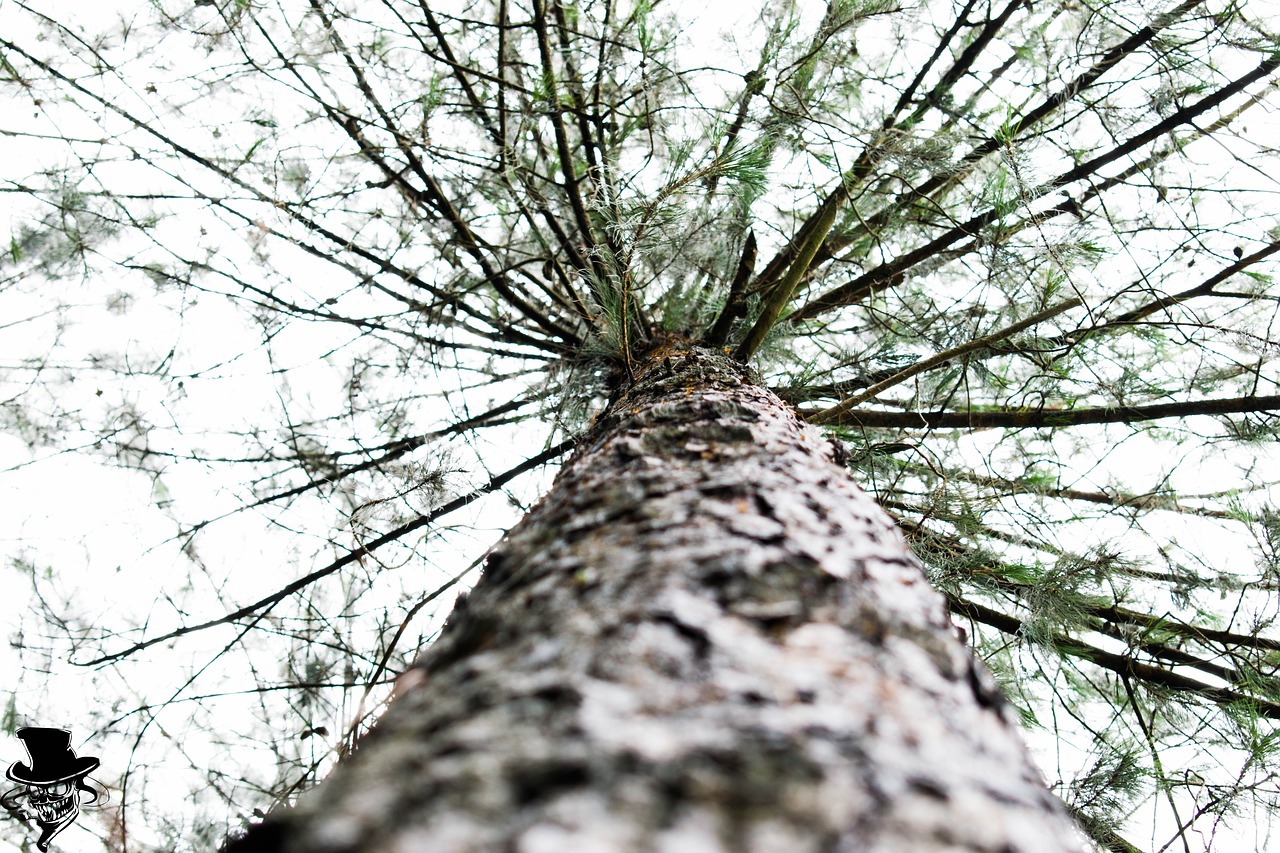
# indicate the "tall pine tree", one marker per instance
pixel 341 282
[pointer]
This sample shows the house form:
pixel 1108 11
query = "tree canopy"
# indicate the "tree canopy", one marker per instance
pixel 302 301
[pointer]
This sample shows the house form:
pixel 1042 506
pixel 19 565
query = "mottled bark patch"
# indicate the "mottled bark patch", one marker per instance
pixel 704 638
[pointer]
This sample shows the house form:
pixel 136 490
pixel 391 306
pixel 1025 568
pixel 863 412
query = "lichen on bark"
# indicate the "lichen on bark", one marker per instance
pixel 704 638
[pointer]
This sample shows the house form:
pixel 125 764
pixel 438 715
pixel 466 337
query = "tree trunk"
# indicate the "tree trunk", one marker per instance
pixel 704 638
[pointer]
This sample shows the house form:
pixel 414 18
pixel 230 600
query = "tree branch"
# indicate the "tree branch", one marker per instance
pixel 829 415
pixel 262 605
pixel 780 294
pixel 1046 417
pixel 889 274
pixel 1120 664
pixel 735 304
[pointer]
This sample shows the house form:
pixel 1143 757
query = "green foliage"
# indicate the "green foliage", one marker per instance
pixel 1104 795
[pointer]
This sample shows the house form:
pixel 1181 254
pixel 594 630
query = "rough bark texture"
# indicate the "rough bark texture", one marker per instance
pixel 704 638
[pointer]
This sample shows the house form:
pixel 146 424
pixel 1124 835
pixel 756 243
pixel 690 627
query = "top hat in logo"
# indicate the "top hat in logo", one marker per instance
pixel 52 759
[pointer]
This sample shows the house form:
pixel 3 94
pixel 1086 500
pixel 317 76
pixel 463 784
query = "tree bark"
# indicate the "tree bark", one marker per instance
pixel 704 638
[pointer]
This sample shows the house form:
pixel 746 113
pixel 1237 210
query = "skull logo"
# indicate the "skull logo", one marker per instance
pixel 50 786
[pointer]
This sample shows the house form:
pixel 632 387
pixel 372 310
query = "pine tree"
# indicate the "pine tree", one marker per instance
pixel 1011 262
